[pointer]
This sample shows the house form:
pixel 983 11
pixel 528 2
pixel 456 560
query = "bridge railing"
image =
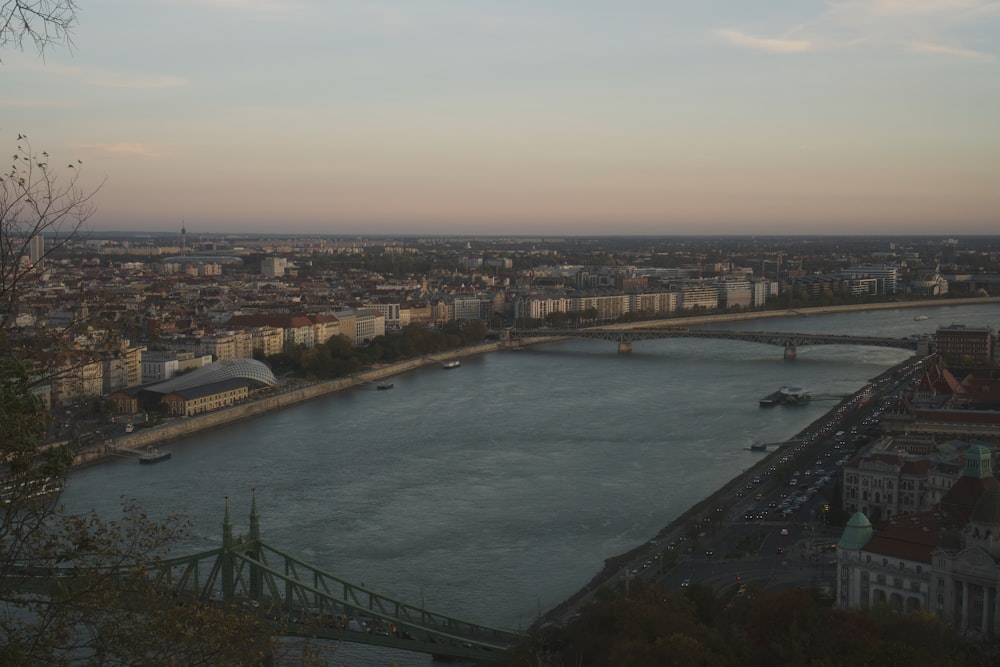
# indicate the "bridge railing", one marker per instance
pixel 275 583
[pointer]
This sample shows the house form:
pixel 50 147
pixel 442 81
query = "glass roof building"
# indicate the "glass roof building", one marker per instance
pixel 225 369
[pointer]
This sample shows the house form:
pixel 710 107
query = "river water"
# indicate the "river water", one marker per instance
pixel 494 491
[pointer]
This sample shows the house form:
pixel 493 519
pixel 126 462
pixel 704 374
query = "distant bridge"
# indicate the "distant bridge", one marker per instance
pixel 299 599
pixel 789 341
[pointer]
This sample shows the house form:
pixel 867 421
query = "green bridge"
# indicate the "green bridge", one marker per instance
pixel 302 600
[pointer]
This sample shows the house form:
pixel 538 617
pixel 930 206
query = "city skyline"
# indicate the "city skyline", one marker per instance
pixel 851 117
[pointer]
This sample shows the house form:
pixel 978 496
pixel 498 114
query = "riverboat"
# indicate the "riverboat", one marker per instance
pixel 384 386
pixel 454 363
pixel 794 396
pixel 786 396
pixel 770 400
pixel 759 447
pixel 921 318
pixel 153 456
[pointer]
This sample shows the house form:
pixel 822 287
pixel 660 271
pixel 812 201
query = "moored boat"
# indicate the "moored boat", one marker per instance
pixel 770 400
pixel 382 386
pixel 153 456
pixel 454 363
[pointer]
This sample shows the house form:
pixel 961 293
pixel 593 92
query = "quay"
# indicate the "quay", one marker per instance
pixel 175 429
pixel 619 570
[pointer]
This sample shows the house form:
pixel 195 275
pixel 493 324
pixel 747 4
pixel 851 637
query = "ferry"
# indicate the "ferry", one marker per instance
pixel 153 456
pixel 454 363
pixel 786 396
pixel 770 400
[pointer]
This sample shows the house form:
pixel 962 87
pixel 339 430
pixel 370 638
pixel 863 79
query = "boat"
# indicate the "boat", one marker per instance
pixel 920 318
pixel 759 447
pixel 786 396
pixel 153 456
pixel 454 363
pixel 770 400
pixel 794 396
pixel 383 386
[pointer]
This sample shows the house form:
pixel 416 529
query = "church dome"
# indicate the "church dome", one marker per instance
pixel 857 533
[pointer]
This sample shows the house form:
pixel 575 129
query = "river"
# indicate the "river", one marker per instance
pixel 494 491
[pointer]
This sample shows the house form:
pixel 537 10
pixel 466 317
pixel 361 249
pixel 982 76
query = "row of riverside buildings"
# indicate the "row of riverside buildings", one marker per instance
pixel 924 534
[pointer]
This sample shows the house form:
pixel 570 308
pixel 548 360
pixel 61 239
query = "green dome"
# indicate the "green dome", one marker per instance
pixel 857 533
pixel 978 462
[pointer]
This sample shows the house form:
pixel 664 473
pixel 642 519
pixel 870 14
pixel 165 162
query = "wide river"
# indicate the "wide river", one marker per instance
pixel 494 491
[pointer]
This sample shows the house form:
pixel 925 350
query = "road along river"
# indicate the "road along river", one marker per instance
pixel 495 490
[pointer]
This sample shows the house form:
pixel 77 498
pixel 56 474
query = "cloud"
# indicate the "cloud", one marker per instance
pixel 927 47
pixel 133 81
pixel 764 44
pixel 123 149
pixel 909 7
pixel 249 6
pixel 93 76
pixel 915 26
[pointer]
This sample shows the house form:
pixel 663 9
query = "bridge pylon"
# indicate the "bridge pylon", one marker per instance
pixel 251 576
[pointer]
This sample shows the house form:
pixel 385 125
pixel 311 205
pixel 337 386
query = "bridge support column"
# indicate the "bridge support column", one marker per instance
pixel 789 353
pixel 625 347
pixel 228 567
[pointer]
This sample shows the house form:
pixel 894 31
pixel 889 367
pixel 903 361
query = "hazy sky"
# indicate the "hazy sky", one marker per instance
pixel 517 116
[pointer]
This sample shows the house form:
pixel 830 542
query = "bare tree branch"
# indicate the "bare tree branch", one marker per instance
pixel 39 213
pixel 42 22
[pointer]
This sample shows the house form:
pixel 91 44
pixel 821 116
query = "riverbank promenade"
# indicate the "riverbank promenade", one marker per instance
pixel 144 438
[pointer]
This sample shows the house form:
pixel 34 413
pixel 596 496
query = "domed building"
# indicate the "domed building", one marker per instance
pixel 946 562
pixel 217 385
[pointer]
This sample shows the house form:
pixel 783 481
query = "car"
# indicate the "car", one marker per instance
pixel 685 583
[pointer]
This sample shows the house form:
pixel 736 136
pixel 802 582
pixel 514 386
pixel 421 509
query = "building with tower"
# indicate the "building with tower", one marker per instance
pixel 945 561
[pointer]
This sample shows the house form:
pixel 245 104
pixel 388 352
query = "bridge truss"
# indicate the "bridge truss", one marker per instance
pixel 625 336
pixel 302 600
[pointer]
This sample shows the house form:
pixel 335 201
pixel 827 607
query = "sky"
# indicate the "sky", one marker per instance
pixel 523 117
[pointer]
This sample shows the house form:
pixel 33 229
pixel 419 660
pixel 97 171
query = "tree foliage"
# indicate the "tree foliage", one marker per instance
pixel 650 627
pixel 339 357
pixel 74 589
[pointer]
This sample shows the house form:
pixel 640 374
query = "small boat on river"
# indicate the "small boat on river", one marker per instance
pixel 384 386
pixel 786 396
pixel 454 363
pixel 151 456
